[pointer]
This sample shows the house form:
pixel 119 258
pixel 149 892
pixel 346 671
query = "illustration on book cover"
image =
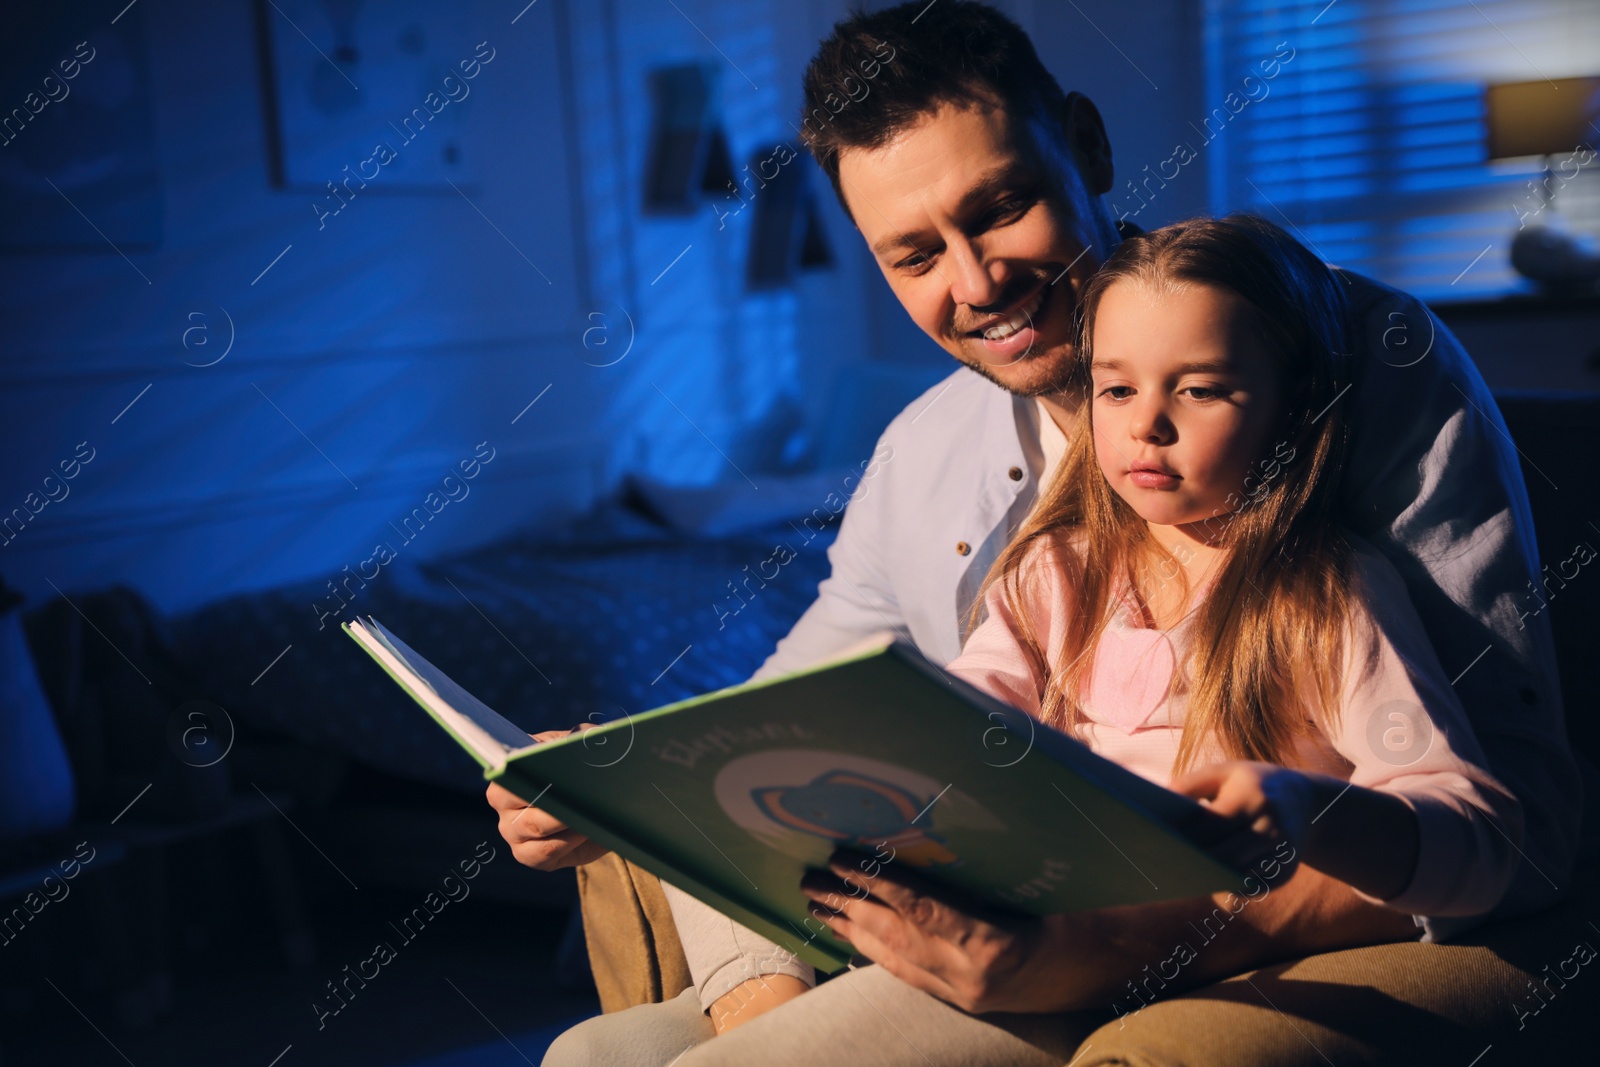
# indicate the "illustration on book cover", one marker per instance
pixel 796 800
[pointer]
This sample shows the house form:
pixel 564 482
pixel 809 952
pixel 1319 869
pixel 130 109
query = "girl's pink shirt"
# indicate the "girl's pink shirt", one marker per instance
pixel 1400 727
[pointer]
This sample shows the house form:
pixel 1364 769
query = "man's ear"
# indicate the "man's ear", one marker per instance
pixel 1091 148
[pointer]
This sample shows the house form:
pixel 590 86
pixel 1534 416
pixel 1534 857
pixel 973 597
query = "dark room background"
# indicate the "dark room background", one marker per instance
pixel 494 283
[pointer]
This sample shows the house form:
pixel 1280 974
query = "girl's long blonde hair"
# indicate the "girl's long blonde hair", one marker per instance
pixel 1267 644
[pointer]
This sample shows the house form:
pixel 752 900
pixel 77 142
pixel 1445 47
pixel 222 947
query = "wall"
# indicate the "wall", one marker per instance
pixel 370 358
pixel 719 379
pixel 370 351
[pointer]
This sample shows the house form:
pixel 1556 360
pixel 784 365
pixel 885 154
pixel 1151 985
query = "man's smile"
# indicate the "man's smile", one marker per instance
pixel 999 327
pixel 1015 334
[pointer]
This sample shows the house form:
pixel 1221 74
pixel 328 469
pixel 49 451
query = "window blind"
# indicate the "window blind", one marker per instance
pixel 1369 143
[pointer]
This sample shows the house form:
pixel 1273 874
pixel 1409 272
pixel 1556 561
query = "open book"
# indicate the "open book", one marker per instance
pixel 733 795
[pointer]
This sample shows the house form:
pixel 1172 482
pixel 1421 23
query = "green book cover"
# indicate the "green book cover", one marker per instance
pixel 733 795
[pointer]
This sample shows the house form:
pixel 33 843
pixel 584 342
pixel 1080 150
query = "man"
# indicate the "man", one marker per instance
pixel 980 189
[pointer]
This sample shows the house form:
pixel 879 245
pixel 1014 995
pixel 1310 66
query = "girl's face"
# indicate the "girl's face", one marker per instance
pixel 1185 399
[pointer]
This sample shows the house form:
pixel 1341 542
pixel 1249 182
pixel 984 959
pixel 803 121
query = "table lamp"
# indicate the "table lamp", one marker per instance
pixel 1547 118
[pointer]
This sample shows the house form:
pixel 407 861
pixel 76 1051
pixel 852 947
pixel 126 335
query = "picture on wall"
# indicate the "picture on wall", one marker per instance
pixel 377 93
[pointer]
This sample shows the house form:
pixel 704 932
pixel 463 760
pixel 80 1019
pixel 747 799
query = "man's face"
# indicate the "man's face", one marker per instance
pixel 985 231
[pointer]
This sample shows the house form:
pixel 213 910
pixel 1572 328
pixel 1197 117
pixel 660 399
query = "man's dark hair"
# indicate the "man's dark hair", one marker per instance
pixel 878 73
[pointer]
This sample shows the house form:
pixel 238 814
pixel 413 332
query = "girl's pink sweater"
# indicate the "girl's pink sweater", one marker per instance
pixel 1400 726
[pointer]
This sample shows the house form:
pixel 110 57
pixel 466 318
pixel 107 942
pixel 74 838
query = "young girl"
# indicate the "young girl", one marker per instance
pixel 1185 600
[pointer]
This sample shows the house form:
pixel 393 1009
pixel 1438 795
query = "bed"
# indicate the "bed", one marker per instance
pixel 621 611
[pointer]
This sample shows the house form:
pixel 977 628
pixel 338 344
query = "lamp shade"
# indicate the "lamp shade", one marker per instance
pixel 1542 118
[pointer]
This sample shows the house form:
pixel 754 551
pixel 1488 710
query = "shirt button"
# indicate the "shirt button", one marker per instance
pixel 962 548
pixel 1016 474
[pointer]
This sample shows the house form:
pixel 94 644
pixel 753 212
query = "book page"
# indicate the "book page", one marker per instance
pixel 489 733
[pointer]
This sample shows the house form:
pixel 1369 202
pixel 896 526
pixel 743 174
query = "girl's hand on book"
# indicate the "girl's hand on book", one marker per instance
pixel 1267 803
pixel 537 838
pixel 1366 838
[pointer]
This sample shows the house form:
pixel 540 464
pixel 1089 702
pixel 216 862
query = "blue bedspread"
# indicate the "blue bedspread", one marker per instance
pixel 616 615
